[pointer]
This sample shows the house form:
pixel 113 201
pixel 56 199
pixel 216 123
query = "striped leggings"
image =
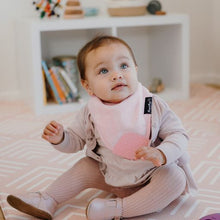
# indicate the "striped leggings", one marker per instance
pixel 167 183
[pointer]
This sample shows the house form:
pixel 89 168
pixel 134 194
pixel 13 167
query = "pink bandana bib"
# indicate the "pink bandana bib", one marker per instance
pixel 124 127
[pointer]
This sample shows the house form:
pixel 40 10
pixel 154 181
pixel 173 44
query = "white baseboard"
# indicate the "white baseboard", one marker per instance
pixel 10 95
pixel 213 78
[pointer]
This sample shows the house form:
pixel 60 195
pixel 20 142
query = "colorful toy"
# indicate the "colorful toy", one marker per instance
pixel 215 216
pixel 47 7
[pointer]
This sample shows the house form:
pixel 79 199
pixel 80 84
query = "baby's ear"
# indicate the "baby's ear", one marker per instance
pixel 85 85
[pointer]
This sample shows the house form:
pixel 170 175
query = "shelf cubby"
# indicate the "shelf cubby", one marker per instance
pixel 160 44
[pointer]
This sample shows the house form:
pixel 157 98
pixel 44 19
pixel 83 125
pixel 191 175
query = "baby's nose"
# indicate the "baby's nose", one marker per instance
pixel 116 76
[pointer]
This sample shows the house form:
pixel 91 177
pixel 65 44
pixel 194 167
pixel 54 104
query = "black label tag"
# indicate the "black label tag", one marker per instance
pixel 148 105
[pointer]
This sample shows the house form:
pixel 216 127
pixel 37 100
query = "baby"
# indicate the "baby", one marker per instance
pixel 135 144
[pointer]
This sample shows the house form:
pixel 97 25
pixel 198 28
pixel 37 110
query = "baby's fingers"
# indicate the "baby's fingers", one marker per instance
pixel 156 162
pixel 51 129
pixel 57 126
pixel 45 137
pixel 140 154
pixel 53 126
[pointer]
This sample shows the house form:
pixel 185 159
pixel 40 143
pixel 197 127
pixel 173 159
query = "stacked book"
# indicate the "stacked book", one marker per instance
pixel 59 85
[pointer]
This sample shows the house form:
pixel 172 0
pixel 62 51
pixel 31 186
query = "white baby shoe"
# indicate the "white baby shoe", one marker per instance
pixel 36 204
pixel 104 209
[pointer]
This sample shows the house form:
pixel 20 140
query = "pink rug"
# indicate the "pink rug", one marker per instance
pixel 28 163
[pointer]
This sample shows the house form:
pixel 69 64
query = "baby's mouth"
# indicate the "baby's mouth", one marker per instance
pixel 119 86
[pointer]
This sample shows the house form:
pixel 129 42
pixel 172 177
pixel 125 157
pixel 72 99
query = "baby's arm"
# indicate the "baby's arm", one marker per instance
pixel 70 140
pixel 170 131
pixel 53 133
pixel 168 127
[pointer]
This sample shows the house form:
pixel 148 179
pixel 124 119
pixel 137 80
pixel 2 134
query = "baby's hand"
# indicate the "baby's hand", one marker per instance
pixel 53 132
pixel 152 154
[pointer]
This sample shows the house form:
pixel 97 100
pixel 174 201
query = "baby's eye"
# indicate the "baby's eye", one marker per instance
pixel 103 71
pixel 124 66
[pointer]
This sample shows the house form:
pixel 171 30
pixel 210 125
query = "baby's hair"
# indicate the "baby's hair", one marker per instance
pixel 95 43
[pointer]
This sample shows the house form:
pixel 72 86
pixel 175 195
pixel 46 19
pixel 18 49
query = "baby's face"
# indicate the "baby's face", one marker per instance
pixel 111 74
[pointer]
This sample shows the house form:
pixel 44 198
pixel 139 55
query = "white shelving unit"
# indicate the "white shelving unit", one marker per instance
pixel 160 44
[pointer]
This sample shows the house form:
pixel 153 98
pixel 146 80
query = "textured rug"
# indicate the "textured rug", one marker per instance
pixel 28 163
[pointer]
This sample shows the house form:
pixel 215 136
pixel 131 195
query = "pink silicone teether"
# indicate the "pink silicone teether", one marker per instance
pixel 128 144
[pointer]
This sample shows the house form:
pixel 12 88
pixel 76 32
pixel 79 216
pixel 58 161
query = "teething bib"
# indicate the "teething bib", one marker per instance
pixel 123 127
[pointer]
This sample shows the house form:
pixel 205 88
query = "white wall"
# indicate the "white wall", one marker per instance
pixel 205 38
pixel 9 12
pixel 216 34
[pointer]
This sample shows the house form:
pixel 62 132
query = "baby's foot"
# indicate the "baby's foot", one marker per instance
pixel 104 209
pixel 36 204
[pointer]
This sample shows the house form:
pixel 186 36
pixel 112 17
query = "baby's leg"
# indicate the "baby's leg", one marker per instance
pixel 167 184
pixel 84 174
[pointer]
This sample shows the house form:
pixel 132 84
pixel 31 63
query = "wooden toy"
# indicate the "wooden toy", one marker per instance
pixel 156 86
pixel 73 9
pixel 126 7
